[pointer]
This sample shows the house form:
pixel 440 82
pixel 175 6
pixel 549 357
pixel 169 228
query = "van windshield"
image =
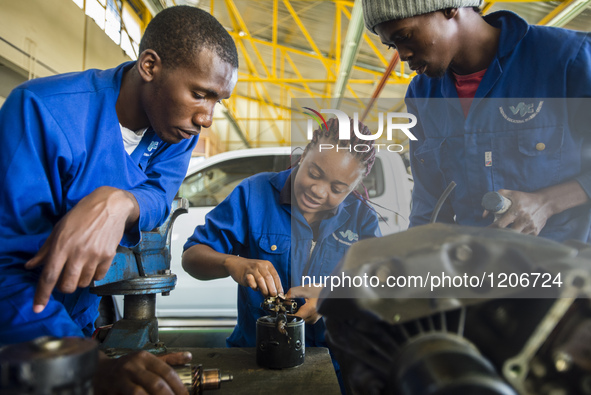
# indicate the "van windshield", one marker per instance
pixel 211 185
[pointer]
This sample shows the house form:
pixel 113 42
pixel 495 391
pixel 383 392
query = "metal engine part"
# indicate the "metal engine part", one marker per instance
pixel 196 379
pixel 280 336
pixel 280 341
pixel 279 305
pixel 440 363
pixel 48 366
pixel 490 340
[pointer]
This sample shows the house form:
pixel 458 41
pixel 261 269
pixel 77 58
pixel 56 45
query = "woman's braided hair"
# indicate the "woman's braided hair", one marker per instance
pixel 366 158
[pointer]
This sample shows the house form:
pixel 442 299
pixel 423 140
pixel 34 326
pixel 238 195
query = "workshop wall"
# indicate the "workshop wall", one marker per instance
pixel 40 38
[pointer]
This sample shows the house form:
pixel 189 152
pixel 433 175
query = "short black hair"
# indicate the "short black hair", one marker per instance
pixel 178 33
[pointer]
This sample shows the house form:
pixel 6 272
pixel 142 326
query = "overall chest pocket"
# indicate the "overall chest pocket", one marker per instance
pixel 539 142
pixel 274 244
pixel 275 249
pixel 530 158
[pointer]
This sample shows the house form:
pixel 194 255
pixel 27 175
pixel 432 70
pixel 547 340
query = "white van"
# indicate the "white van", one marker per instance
pixel 210 181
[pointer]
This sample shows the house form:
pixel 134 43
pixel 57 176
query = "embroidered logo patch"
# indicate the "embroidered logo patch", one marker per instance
pixel 350 235
pixel 521 112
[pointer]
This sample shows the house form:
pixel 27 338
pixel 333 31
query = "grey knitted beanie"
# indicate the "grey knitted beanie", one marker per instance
pixel 378 11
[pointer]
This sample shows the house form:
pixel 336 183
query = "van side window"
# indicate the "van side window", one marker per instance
pixel 211 185
pixel 374 182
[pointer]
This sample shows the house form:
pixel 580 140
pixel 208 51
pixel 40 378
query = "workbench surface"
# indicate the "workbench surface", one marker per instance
pixel 316 375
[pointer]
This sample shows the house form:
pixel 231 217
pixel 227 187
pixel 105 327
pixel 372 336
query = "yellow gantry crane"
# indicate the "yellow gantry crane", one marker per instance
pixel 318 50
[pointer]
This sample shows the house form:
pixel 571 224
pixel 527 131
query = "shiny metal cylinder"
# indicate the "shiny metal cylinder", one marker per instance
pixel 139 307
pixel 196 379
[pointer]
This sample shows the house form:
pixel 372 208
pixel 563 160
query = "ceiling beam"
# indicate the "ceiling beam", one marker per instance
pixel 352 40
pixel 303 29
pixel 154 6
pixel 564 13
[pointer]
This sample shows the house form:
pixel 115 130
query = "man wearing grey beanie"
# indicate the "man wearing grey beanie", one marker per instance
pixel 485 117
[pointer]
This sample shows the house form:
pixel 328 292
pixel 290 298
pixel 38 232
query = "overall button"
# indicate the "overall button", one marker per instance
pixel 540 146
pixel 273 247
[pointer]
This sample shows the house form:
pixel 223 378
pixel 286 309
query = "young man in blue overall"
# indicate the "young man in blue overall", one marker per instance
pixel 467 64
pixel 90 159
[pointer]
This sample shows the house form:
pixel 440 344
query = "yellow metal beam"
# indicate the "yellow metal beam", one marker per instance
pixel 240 26
pixel 308 90
pixel 335 45
pixel 261 118
pixel 487 7
pixel 238 23
pixel 566 3
pixel 332 62
pixel 232 106
pixel 303 80
pixel 274 35
pixel 263 71
pixel 299 23
pixel 279 83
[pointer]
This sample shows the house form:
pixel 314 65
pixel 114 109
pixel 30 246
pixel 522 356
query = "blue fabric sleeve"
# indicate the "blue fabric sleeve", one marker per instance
pixel 426 189
pixel 226 226
pixel 579 86
pixel 165 172
pixel 35 160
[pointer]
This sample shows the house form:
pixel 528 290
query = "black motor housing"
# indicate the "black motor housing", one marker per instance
pixel 280 341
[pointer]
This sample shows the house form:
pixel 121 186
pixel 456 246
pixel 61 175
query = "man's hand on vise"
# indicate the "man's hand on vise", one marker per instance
pixel 256 274
pixel 82 245
pixel 140 373
pixel 528 213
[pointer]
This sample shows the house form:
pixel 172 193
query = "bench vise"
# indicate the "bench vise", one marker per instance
pixel 139 274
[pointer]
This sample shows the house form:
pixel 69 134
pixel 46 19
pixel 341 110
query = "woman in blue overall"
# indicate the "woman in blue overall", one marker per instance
pixel 275 228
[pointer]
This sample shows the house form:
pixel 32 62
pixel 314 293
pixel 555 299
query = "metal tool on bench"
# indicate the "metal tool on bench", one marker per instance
pixel 139 274
pixel 196 379
pixel 280 336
